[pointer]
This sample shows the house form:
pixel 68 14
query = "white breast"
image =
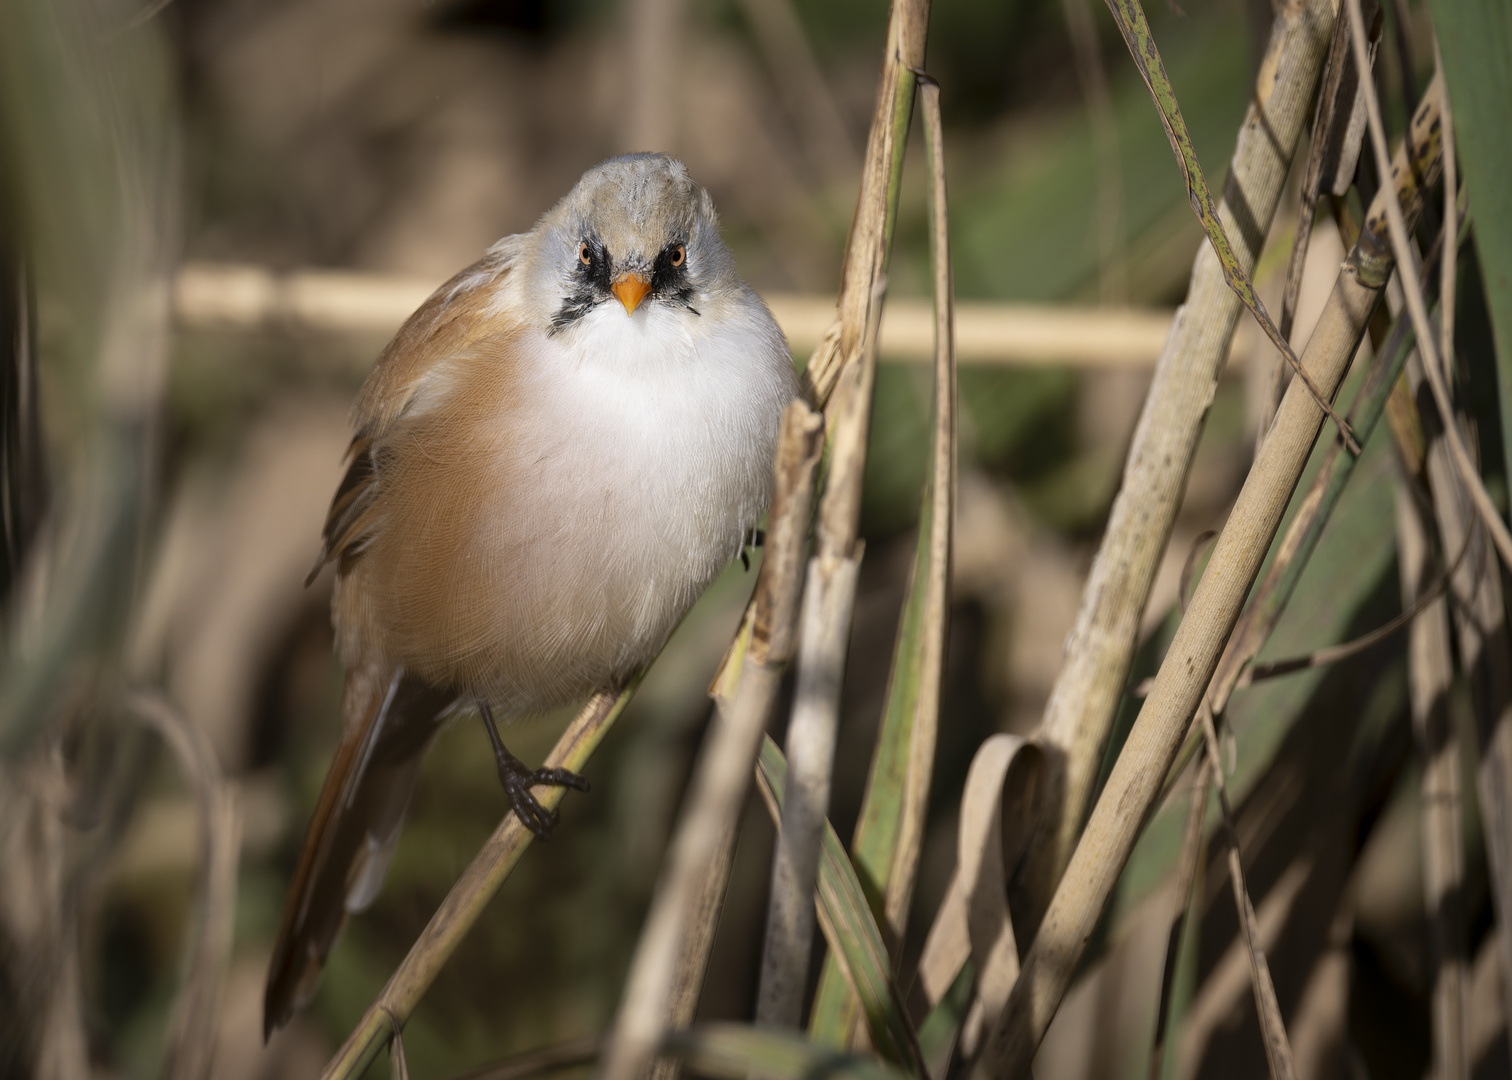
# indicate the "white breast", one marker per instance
pixel 647 455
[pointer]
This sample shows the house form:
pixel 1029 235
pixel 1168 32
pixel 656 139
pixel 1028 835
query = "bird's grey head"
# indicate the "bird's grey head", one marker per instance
pixel 635 230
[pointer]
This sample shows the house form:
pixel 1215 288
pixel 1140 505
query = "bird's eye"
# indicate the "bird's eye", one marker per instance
pixel 679 256
pixel 584 255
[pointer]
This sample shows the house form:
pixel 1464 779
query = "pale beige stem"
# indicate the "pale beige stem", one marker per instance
pixel 828 600
pixel 1101 645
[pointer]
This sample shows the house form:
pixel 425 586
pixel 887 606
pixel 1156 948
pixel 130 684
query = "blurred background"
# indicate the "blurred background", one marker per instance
pixel 400 138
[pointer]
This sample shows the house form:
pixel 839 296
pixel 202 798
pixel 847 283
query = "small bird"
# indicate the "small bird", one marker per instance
pixel 552 459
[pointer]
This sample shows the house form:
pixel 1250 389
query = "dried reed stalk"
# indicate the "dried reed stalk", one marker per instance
pixel 870 242
pixel 1136 779
pixel 1275 590
pixel 469 896
pixel 1278 1055
pixel 726 762
pixel 1337 129
pixel 993 334
pixel 1101 646
pixel 1430 673
pixel 828 601
pixel 890 829
pixel 1481 629
pixel 839 375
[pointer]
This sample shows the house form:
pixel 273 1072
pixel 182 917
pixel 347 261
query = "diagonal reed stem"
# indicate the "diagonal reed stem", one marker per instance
pixel 1100 649
pixel 1137 776
pixel 1278 1053
pixel 470 895
pixel 1135 28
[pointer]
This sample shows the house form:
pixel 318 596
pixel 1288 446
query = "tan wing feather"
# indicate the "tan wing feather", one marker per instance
pixel 445 325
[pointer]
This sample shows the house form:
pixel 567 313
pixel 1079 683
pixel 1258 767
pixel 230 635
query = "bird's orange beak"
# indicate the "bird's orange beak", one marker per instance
pixel 631 290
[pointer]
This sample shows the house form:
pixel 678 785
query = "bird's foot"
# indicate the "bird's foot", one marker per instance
pixel 518 778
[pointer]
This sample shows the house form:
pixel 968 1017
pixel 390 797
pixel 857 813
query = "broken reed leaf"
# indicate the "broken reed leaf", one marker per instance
pixel 1130 17
pixel 973 929
pixel 1139 772
pixel 920 658
pixel 850 929
pixel 465 902
pixel 738 1052
pixel 1433 366
pixel 1278 1053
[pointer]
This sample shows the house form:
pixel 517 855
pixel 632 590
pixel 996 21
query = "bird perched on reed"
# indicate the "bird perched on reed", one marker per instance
pixel 553 458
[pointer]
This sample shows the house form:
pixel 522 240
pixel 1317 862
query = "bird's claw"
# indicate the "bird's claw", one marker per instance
pixel 518 781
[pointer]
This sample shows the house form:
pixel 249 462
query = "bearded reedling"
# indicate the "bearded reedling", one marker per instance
pixel 541 483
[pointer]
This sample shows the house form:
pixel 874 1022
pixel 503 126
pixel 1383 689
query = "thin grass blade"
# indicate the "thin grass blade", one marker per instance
pixel 889 834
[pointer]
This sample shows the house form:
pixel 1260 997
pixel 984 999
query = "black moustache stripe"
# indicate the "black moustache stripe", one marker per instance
pixel 573 308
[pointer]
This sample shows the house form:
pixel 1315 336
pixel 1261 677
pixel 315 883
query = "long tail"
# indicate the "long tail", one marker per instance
pixel 388 721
